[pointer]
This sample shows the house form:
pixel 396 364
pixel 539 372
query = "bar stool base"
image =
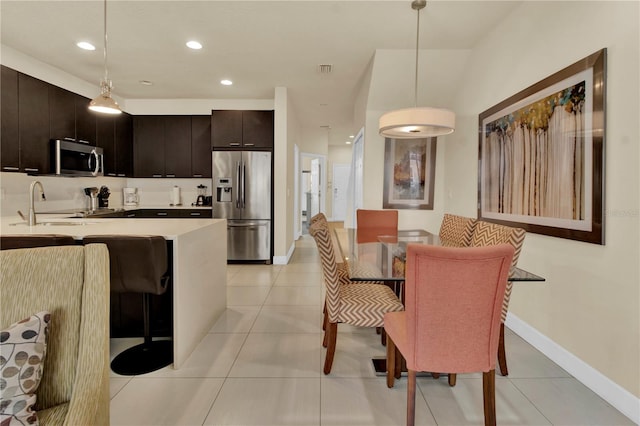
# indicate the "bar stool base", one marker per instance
pixel 143 358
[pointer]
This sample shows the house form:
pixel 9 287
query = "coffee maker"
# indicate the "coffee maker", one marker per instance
pixel 130 196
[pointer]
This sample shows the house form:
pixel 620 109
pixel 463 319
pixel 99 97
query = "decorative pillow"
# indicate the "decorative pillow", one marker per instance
pixel 22 349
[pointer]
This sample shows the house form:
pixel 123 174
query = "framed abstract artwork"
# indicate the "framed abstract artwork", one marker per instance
pixel 409 173
pixel 541 155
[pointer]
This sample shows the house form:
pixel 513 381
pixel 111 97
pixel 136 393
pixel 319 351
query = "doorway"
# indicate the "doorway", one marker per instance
pixel 313 178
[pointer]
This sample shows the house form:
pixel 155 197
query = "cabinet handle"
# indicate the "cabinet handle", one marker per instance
pixel 11 169
pixel 83 141
pixel 195 214
pixel 171 175
pixel 131 215
pixel 121 175
pixel 234 143
pixel 197 175
pixel 249 144
pixel 30 169
pixel 162 214
pixel 156 176
pixel 111 174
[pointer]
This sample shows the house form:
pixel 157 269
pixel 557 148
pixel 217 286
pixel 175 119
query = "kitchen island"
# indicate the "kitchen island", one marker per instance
pixel 199 265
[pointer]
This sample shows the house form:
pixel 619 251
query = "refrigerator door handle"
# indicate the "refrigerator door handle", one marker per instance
pixel 242 185
pixel 238 177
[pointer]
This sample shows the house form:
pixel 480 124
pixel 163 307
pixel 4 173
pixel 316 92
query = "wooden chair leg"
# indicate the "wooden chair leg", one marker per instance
pixel 391 362
pixel 401 363
pixel 489 397
pixel 331 335
pixel 378 330
pixel 411 398
pixel 383 337
pixel 452 379
pixel 435 375
pixel 324 320
pixel 502 355
pixel 324 327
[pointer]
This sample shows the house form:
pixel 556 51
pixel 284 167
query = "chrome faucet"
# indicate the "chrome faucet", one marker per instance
pixel 32 211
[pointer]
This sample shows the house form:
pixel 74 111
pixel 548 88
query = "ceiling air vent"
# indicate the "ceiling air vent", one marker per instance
pixel 325 68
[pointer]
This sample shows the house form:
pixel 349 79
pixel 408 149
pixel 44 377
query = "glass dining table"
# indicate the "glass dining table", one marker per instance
pixel 382 258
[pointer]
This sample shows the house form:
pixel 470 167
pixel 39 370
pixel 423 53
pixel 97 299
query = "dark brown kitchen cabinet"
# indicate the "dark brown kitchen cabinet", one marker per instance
pixel 62 114
pixel 163 146
pixel 201 146
pixel 241 129
pixel 177 146
pixel 148 146
pixel 85 120
pixel 124 145
pixel 257 129
pixel 114 134
pixel 9 135
pixel 69 116
pixel 33 119
pixel 105 139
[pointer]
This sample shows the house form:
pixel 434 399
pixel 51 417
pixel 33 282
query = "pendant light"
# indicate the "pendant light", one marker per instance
pixel 417 122
pixel 104 103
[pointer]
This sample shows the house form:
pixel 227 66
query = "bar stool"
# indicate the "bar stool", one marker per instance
pixel 138 264
pixel 10 242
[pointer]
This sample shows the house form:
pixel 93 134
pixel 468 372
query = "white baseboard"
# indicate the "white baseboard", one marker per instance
pixel 623 400
pixel 283 260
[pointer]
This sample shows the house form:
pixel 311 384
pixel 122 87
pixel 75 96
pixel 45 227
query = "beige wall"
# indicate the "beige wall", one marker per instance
pixel 590 302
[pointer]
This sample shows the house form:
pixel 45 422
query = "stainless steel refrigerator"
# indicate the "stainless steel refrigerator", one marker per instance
pixel 242 195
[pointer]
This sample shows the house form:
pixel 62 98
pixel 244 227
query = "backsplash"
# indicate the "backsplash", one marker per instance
pixel 65 193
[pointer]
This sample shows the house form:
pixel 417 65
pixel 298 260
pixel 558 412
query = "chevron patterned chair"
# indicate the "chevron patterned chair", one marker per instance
pixel 456 231
pixel 361 305
pixel 489 234
pixel 343 267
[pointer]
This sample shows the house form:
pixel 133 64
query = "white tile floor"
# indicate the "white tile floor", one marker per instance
pixel 261 364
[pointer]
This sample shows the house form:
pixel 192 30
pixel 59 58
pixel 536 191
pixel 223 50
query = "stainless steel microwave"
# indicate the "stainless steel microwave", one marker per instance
pixel 70 158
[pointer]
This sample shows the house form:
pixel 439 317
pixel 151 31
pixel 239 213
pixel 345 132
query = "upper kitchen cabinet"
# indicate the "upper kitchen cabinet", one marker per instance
pixel 241 129
pixel 124 145
pixel 201 146
pixel 105 139
pixel 62 114
pixel 164 146
pixel 177 146
pixel 85 120
pixel 9 134
pixel 69 116
pixel 33 124
pixel 115 136
pixel 148 146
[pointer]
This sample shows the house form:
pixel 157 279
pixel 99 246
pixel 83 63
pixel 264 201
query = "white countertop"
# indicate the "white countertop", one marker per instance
pixel 80 227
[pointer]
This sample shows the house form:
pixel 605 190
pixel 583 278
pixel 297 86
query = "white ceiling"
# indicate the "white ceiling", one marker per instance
pixel 258 44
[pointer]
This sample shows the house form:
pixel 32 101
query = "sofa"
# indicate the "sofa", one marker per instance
pixel 70 283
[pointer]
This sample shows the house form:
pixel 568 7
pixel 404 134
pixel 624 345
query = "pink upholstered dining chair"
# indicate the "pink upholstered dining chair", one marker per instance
pixel 372 223
pixel 452 316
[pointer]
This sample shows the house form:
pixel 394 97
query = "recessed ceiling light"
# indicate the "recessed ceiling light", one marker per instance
pixel 351 136
pixel 192 44
pixel 348 142
pixel 146 82
pixel 226 82
pixel 85 45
